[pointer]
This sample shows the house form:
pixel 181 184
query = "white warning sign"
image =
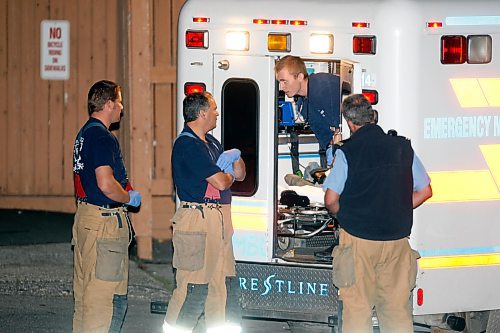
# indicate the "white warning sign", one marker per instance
pixel 54 62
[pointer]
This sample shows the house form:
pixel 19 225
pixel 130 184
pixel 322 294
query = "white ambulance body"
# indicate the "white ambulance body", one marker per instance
pixel 434 67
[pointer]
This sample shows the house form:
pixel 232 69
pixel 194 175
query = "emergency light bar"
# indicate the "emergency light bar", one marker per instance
pixel 193 87
pixel 279 42
pixel 321 43
pixel 360 24
pixel 371 96
pixel 201 19
pixel 298 22
pixel 261 21
pixel 434 24
pixel 364 44
pixel 237 40
pixel 279 22
pixel 197 39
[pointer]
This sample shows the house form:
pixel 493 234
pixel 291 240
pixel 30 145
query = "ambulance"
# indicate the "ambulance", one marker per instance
pixel 432 71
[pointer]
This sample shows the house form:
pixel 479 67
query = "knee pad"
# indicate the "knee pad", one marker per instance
pixel 193 306
pixel 120 304
pixel 233 305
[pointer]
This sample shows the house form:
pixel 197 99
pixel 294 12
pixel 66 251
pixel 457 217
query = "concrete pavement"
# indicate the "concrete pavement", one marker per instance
pixel 36 270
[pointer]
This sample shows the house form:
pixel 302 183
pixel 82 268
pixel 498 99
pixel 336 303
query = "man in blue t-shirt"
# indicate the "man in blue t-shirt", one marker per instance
pixel 101 230
pixel 375 183
pixel 203 253
pixel 318 101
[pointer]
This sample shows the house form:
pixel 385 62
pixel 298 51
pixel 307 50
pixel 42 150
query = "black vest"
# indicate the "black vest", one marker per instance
pixel 376 202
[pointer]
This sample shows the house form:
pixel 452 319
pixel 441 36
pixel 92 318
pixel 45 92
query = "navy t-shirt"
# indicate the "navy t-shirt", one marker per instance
pixel 193 161
pixel 96 147
pixel 321 107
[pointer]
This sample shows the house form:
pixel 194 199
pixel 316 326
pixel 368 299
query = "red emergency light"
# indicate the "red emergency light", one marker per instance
pixel 371 96
pixel 453 49
pixel 201 19
pixel 279 22
pixel 360 24
pixel 420 297
pixel 298 22
pixel 193 87
pixel 197 39
pixel 434 24
pixel 261 21
pixel 364 44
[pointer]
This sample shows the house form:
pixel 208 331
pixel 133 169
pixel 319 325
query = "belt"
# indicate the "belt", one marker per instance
pixel 193 206
pixel 111 205
pixel 105 206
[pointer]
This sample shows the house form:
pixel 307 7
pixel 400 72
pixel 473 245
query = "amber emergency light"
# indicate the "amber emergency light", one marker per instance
pixel 279 42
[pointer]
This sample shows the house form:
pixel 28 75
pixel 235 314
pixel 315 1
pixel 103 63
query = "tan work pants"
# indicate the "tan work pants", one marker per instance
pixel 100 239
pixel 384 276
pixel 203 254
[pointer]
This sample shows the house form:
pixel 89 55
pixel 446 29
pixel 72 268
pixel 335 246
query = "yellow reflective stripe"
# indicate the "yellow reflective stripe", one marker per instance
pixel 249 214
pixel 469 185
pixel 461 186
pixel 252 222
pixel 477 92
pixel 491 87
pixel 248 209
pixel 491 154
pixel 487 259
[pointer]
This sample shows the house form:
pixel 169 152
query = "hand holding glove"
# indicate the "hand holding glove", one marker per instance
pixel 329 156
pixel 227 158
pixel 135 198
pixel 230 170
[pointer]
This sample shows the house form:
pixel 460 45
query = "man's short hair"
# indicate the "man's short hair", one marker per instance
pixel 293 64
pixel 357 109
pixel 194 103
pixel 101 92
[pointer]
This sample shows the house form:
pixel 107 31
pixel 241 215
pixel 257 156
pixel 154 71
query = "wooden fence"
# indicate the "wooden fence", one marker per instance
pixel 128 41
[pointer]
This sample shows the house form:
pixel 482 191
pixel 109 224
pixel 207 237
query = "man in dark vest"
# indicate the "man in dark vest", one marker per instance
pixel 375 183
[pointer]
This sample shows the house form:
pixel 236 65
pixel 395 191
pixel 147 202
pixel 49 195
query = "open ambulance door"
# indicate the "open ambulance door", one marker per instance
pixel 244 88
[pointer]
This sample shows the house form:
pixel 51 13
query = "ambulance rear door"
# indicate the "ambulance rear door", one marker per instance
pixel 244 88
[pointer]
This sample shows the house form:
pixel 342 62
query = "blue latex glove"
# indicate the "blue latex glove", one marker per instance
pixel 230 170
pixel 329 156
pixel 228 157
pixel 135 198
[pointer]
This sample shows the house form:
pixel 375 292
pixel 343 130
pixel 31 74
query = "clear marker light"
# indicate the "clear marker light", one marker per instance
pixel 237 40
pixel 321 43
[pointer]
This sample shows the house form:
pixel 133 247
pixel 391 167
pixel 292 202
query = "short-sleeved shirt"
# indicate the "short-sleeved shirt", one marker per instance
pixel 193 161
pixel 96 146
pixel 338 174
pixel 321 107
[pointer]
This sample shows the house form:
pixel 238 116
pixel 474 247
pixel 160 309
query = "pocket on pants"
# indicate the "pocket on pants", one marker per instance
pixel 413 268
pixel 343 266
pixel 189 250
pixel 111 259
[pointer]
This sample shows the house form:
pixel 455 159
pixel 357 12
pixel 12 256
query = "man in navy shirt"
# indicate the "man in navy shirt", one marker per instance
pixel 318 100
pixel 375 183
pixel 203 254
pixel 101 230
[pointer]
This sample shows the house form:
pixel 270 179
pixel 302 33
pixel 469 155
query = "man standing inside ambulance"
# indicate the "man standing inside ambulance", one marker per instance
pixel 375 183
pixel 318 100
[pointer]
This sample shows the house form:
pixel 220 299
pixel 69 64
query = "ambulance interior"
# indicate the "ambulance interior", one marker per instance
pixel 305 232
